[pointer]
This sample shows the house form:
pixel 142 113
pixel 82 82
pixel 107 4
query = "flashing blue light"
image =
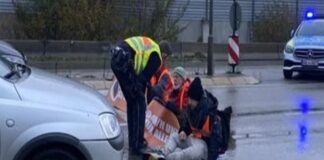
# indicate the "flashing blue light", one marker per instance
pixel 303 135
pixel 304 106
pixel 309 14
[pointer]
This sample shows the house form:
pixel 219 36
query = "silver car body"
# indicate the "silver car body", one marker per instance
pixel 40 104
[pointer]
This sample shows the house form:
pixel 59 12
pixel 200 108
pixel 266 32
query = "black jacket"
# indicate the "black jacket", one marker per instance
pixel 197 117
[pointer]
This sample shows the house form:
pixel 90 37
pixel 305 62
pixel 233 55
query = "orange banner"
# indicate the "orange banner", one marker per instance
pixel 159 121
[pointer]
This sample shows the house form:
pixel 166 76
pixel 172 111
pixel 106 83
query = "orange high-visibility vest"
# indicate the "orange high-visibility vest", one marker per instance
pixel 204 132
pixel 184 89
pixel 156 78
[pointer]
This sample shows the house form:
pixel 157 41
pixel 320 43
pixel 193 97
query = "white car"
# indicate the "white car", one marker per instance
pixel 305 51
pixel 47 117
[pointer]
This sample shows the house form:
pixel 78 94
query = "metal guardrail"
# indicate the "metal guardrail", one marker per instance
pixel 36 47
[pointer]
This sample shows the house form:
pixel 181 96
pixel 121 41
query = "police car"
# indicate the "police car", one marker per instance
pixel 305 51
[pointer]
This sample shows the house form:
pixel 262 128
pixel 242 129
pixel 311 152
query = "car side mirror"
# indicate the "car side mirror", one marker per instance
pixel 292 32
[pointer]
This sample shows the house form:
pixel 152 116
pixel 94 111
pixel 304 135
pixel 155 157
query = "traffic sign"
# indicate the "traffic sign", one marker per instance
pixel 235 16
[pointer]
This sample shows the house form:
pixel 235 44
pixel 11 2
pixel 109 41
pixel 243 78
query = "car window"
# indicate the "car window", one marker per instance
pixel 5 67
pixel 311 28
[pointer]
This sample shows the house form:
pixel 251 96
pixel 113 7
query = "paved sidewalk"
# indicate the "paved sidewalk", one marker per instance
pixel 218 80
pixel 101 80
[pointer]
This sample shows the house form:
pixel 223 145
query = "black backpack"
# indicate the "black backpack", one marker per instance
pixel 225 122
pixel 222 121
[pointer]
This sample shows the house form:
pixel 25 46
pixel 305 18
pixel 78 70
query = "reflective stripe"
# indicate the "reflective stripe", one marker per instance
pixel 137 57
pixel 181 97
pixel 142 63
pixel 135 42
pixel 184 88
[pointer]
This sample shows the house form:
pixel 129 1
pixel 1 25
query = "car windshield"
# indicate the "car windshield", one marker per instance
pixel 5 66
pixel 311 28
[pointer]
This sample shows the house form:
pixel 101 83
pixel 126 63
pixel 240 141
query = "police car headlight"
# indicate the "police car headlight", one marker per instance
pixel 110 125
pixel 290 46
pixel 289 49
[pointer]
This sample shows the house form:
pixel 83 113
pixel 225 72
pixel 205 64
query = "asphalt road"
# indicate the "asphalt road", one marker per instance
pixel 276 119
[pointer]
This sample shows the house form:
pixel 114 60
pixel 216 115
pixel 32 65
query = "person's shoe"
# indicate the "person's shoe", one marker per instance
pixel 157 150
pixel 144 150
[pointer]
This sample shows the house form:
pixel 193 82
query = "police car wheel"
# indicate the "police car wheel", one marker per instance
pixel 287 74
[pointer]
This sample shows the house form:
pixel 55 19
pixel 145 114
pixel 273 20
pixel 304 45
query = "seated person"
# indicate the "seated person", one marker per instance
pixel 206 131
pixel 178 99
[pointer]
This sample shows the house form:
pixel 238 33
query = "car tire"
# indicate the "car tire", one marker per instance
pixel 287 74
pixel 56 154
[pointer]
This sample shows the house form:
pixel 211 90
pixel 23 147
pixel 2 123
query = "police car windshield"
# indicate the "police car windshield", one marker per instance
pixel 311 28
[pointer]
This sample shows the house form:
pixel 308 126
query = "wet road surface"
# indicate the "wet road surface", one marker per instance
pixel 276 119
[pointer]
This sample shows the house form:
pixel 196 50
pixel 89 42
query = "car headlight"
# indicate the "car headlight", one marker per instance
pixel 289 48
pixel 110 125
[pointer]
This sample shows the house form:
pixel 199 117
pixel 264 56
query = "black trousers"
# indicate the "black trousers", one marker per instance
pixel 133 90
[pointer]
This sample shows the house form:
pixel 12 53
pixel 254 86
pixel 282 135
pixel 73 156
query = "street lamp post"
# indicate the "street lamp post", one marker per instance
pixel 210 66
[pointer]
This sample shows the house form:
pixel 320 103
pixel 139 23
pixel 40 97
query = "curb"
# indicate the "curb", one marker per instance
pixel 206 81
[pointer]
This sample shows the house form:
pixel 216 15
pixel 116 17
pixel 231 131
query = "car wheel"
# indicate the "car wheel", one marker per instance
pixel 287 74
pixel 56 154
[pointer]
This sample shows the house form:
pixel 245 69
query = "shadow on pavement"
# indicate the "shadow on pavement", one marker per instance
pixel 312 77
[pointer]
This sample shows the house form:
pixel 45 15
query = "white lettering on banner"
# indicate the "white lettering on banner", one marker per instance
pixel 157 127
pixel 157 134
pixel 154 119
pixel 148 114
pixel 149 126
pixel 161 124
pixel 169 129
pixel 160 135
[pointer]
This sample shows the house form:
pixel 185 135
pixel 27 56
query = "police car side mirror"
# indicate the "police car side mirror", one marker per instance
pixel 292 32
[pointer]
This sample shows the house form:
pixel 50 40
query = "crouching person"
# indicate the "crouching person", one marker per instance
pixel 201 137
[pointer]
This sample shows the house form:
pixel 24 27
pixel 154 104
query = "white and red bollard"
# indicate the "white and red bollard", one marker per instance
pixel 233 52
